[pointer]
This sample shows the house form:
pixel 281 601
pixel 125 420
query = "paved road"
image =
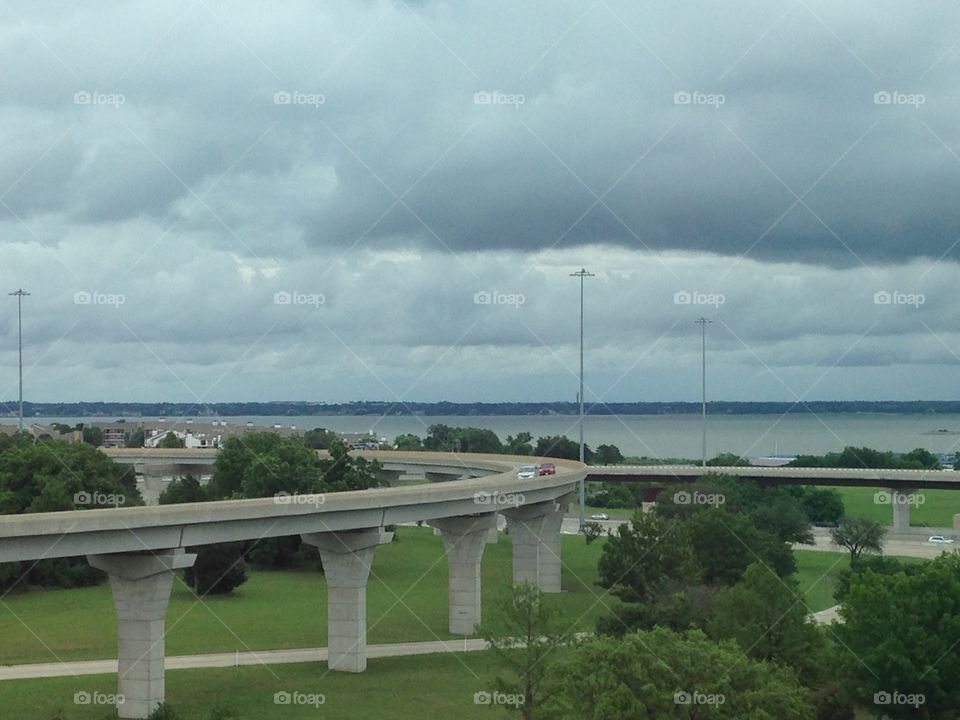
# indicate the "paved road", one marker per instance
pixel 260 657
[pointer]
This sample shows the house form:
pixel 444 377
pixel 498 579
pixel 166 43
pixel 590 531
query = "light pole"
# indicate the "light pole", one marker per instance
pixel 20 294
pixel 582 273
pixel 703 322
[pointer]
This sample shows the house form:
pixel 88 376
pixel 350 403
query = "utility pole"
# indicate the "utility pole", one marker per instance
pixel 20 294
pixel 582 273
pixel 703 322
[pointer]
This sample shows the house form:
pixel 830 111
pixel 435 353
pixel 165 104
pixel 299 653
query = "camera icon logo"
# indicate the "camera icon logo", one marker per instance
pixel 882 98
pixel 482 298
pixel 282 298
pixel 482 698
pixel 82 98
pixel 882 698
pixel 882 297
pixel 282 698
pixel 682 698
pixel 82 498
pixel 82 298
pixel 682 298
pixel 682 98
pixel 282 98
pixel 882 497
pixel 82 698
pixel 482 98
pixel 681 498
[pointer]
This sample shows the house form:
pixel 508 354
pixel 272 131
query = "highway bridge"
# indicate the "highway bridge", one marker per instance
pixel 900 486
pixel 140 548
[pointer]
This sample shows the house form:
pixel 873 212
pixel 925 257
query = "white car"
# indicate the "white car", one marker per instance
pixel 599 516
pixel 525 472
pixel 939 539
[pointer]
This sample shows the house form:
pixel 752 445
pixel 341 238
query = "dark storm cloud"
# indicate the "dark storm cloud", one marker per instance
pixel 792 159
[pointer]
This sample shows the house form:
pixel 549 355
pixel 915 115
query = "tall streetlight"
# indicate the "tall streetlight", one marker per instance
pixel 703 322
pixel 20 294
pixel 582 273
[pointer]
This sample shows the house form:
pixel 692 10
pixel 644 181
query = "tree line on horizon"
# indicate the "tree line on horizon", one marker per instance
pixel 444 408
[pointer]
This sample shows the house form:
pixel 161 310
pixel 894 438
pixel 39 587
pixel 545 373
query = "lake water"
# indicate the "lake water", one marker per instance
pixel 662 435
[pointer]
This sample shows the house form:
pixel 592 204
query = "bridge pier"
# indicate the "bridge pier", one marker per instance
pixel 535 534
pixel 465 538
pixel 347 557
pixel 141 584
pixel 901 501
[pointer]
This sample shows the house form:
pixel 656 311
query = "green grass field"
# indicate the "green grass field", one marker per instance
pixel 933 508
pixel 406 601
pixel 403 688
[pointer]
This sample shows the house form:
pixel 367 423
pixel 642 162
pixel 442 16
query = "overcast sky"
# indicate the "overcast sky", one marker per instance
pixel 335 201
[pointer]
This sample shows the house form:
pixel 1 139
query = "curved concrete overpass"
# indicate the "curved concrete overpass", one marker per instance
pixel 141 547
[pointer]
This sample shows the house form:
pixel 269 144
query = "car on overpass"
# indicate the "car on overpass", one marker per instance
pixel 548 468
pixel 940 539
pixel 525 472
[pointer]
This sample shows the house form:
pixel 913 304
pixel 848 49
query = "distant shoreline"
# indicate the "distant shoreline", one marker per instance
pixel 438 409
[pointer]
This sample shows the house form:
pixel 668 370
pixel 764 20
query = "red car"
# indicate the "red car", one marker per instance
pixel 548 469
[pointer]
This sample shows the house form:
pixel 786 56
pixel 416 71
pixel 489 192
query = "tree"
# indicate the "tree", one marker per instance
pixel 320 438
pixel 661 674
pixel 408 442
pixel 901 630
pixel 526 644
pixel 219 568
pixel 725 544
pixel 135 439
pixel 183 490
pixel 171 440
pixel 591 531
pixel 858 535
pixel 767 618
pixel 638 561
pixel 519 444
pixel 727 460
pixel 822 505
pixel 93 436
pixel 608 455
pixel 53 476
pixel 878 564
pixel 560 446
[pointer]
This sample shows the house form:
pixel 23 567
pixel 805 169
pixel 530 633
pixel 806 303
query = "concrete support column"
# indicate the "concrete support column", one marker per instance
pixel 535 534
pixel 347 557
pixel 465 538
pixel 901 501
pixel 141 584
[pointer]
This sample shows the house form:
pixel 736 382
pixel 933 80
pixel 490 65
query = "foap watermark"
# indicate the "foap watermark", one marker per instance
pixel 83 297
pixel 895 497
pixel 285 697
pixel 495 97
pixel 895 97
pixel 696 697
pixel 914 700
pixel 498 498
pixel 695 297
pixel 514 300
pixel 285 498
pixel 98 499
pixel 695 97
pixel 299 298
pixel 484 697
pixel 885 297
pixel 295 97
pixel 682 497
pixel 84 97
pixel 83 697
